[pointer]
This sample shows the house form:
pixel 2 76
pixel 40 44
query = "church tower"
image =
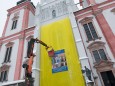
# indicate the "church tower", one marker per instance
pixel 56 26
pixel 18 29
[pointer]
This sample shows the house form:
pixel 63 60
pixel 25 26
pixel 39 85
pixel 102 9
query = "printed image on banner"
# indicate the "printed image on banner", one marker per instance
pixel 59 63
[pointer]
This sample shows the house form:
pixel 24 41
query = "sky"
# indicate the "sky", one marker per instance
pixel 5 5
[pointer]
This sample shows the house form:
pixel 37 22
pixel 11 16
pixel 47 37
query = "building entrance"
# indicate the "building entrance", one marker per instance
pixel 108 78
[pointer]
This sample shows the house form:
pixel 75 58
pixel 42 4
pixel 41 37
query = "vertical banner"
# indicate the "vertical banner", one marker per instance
pixel 59 63
pixel 63 69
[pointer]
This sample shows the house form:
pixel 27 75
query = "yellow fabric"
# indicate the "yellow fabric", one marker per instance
pixel 59 35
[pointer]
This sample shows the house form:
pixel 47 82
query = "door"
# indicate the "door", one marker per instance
pixel 108 78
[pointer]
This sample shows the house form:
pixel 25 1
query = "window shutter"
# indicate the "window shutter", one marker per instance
pixel 102 54
pixel 15 24
pixel 2 74
pixel 9 55
pixel 87 32
pixel 94 34
pixel 28 48
pixel 6 55
pixel 96 55
pixel 5 76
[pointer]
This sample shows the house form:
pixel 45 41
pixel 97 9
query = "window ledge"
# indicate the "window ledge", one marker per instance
pixel 93 39
pixel 4 81
pixel 6 62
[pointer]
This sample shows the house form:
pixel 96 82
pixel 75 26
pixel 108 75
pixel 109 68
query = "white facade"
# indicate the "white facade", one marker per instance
pixel 16 38
pixel 63 8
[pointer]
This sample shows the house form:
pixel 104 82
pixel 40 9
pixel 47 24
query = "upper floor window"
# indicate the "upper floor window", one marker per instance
pixel 15 20
pixel 54 13
pixel 28 43
pixel 14 24
pixel 3 76
pixel 99 55
pixel 90 31
pixel 8 54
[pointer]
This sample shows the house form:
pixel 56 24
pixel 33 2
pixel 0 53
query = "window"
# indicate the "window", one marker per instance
pixel 8 54
pixel 3 76
pixel 90 31
pixel 53 13
pixel 14 24
pixel 28 48
pixel 99 55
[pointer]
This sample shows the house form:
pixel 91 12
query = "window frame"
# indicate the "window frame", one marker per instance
pixel 8 45
pixel 99 54
pixel 8 55
pixel 14 24
pixel 87 20
pixel 4 78
pixel 87 39
pixel 96 45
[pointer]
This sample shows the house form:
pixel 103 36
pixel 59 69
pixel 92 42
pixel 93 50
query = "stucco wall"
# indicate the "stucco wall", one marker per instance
pixel 110 18
pixel 31 19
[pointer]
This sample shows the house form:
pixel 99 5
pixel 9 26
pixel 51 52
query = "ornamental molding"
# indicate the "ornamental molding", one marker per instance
pixel 113 10
pixel 96 44
pixel 29 37
pixel 4 67
pixel 97 12
pixel 16 16
pixel 104 65
pixel 86 19
pixel 9 44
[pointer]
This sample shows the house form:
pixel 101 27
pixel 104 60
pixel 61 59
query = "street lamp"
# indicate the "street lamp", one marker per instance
pixel 90 83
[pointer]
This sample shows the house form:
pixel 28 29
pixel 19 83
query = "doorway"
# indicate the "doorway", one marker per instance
pixel 108 78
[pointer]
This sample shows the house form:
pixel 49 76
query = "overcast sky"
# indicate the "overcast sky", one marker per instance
pixel 6 4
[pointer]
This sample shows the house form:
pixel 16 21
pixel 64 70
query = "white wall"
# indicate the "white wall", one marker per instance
pixel 31 21
pixel 110 18
pixel 19 24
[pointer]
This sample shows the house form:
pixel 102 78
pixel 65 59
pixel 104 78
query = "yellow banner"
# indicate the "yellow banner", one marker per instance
pixel 59 35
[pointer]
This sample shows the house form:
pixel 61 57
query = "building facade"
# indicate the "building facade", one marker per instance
pixel 87 37
pixel 19 28
pixel 95 22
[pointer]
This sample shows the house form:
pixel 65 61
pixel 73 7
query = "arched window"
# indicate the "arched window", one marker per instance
pixel 89 29
pixel 98 51
pixel 8 52
pixel 53 13
pixel 14 21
